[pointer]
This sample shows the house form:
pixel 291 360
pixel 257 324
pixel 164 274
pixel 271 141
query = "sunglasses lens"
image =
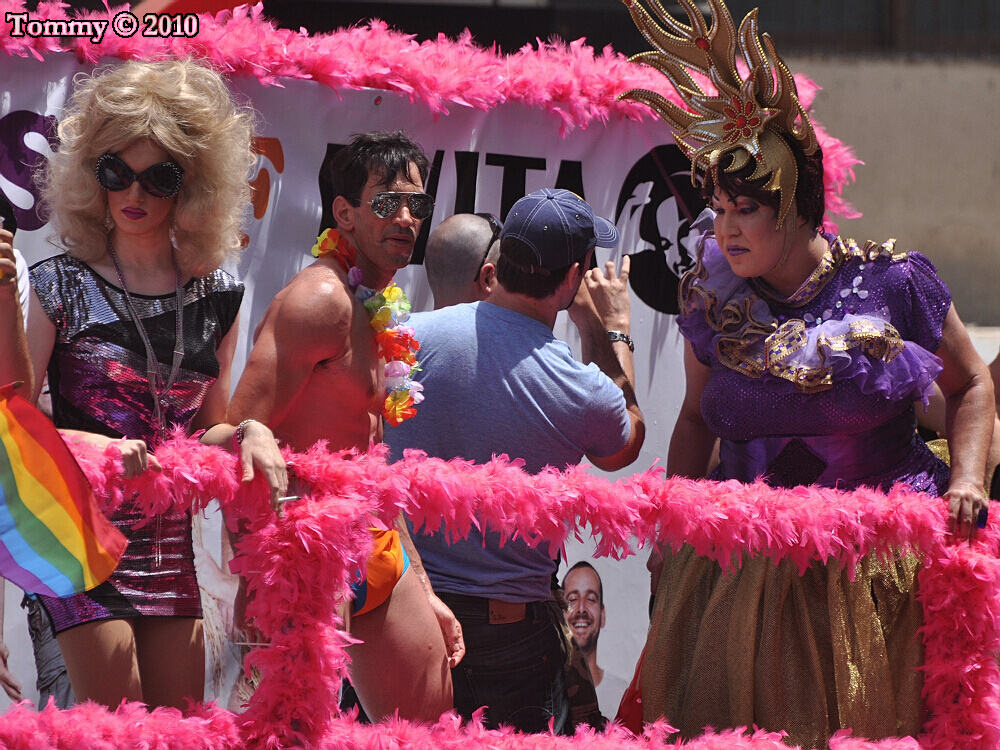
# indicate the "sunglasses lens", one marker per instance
pixel 385 205
pixel 113 174
pixel 421 205
pixel 161 180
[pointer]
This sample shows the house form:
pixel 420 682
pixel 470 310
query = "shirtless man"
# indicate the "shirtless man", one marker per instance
pixel 314 374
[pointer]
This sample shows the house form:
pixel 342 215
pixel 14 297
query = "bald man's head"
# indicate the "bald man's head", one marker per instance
pixel 460 259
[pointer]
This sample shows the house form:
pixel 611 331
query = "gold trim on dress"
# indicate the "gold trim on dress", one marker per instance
pixel 838 251
pixel 753 346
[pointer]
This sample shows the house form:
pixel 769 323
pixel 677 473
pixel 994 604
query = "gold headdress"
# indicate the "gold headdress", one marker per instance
pixel 742 117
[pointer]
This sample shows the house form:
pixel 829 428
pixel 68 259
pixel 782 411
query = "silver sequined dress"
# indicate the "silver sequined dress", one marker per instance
pixel 97 378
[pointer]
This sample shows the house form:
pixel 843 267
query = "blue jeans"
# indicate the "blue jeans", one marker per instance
pixel 516 670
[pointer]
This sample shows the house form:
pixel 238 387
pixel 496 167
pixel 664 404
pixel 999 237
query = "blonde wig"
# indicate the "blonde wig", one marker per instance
pixel 185 109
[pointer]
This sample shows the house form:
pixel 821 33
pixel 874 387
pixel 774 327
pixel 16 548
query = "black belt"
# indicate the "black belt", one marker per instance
pixel 494 611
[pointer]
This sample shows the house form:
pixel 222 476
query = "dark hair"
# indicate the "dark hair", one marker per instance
pixel 810 195
pixel 515 257
pixel 387 155
pixel 600 583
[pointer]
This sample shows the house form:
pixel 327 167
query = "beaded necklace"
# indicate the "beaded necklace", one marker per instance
pixel 389 309
pixel 157 388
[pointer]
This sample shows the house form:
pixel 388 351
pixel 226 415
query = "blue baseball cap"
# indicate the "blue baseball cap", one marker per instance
pixel 559 226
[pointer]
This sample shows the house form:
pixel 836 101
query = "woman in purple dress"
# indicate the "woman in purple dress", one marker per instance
pixel 804 356
pixel 135 327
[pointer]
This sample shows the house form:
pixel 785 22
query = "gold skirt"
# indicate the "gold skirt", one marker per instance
pixel 765 646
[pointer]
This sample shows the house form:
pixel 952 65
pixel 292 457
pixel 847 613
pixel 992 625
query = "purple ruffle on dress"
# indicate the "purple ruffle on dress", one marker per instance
pixel 910 374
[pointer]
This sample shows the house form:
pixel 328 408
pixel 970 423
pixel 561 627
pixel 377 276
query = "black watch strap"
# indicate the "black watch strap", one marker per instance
pixel 619 336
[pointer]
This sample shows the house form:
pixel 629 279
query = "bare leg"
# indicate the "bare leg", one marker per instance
pixel 171 655
pixel 402 663
pixel 101 661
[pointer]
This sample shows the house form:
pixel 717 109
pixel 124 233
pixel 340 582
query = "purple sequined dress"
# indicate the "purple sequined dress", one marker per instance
pixel 820 388
pixel 815 389
pixel 97 378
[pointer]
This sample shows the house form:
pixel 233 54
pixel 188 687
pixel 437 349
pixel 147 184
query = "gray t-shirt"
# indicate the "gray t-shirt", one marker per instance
pixel 497 382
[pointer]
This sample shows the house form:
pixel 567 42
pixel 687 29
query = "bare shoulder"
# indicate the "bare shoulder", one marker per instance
pixel 316 288
pixel 311 316
pixel 315 297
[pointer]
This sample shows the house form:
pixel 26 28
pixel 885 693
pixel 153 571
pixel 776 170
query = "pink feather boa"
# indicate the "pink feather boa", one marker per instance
pixel 290 563
pixel 571 80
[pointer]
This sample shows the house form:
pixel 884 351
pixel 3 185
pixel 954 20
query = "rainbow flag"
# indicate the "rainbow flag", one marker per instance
pixel 53 538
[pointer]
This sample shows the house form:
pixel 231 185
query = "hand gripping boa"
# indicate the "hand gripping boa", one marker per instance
pixel 298 567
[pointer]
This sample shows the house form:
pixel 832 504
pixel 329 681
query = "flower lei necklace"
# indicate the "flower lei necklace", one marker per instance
pixel 397 344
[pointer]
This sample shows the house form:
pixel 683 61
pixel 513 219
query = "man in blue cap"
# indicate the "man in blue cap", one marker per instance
pixel 496 381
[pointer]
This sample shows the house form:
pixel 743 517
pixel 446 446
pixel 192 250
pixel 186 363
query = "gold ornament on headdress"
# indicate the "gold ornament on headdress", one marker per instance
pixel 743 117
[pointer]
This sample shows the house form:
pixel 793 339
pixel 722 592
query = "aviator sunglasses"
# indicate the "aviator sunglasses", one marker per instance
pixel 384 205
pixel 161 180
pixel 496 228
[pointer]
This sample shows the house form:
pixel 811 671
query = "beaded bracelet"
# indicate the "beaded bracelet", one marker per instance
pixel 241 431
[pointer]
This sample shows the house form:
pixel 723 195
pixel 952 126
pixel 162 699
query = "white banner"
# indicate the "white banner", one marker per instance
pixel 483 161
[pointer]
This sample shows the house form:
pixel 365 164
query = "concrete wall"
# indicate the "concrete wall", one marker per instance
pixel 928 133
